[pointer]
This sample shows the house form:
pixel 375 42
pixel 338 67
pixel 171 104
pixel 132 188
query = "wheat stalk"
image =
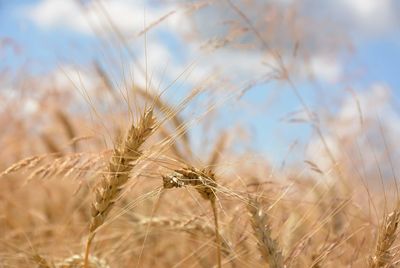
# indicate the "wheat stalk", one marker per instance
pixel 190 226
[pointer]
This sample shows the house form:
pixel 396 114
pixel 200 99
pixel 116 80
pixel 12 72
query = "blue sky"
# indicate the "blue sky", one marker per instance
pixel 49 41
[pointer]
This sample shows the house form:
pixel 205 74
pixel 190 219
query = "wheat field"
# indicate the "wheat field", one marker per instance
pixel 113 167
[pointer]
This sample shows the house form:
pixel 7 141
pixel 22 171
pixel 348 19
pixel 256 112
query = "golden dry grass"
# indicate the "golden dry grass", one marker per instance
pixel 128 186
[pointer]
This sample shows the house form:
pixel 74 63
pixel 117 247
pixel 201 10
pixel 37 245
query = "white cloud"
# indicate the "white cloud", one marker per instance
pixel 326 68
pixel 355 131
pixel 11 97
pixel 49 14
pixel 160 64
pixel 317 153
pixel 371 16
pixel 366 9
pixel 239 66
pixel 130 17
pixel 360 108
pixel 67 77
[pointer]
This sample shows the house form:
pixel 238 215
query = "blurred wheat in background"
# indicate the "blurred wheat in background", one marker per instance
pixel 232 133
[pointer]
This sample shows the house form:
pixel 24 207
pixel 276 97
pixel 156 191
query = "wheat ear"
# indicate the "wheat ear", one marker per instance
pixel 40 261
pixel 267 246
pixel 76 261
pixel 204 183
pixel 382 256
pixel 119 168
